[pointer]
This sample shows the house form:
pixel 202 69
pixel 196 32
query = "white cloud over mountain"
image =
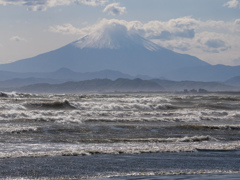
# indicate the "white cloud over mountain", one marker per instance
pixel 17 39
pixel 42 5
pixel 181 27
pixel 184 34
pixel 114 9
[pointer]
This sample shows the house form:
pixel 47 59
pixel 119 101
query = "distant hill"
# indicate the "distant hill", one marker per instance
pixel 235 81
pixel 65 74
pixel 211 73
pixel 189 85
pixel 13 79
pixel 124 85
pixel 19 82
pixel 96 85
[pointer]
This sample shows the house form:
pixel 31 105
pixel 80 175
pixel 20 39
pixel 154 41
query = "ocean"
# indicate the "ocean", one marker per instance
pixel 120 136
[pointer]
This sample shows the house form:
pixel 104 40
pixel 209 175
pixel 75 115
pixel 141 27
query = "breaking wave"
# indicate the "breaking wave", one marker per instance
pixel 51 105
pixel 167 140
pixel 153 175
pixel 212 127
pixel 14 150
pixel 18 130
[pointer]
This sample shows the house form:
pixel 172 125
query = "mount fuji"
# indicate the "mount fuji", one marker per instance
pixel 116 48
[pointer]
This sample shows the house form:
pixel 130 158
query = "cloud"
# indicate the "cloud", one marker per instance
pixel 175 28
pixel 66 29
pixel 92 2
pixel 178 45
pixel 167 35
pixel 114 9
pixel 181 34
pixel 104 24
pixel 212 42
pixel 237 22
pixel 42 5
pixel 232 4
pixel 17 39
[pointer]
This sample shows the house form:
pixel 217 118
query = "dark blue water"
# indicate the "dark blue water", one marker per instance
pixel 210 164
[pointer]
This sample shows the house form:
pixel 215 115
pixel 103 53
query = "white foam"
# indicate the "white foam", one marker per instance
pixel 137 108
pixel 13 150
pixel 163 173
pixel 110 110
pixel 13 128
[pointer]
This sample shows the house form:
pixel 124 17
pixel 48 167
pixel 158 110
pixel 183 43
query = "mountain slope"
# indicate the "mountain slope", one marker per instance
pixel 113 49
pixel 116 48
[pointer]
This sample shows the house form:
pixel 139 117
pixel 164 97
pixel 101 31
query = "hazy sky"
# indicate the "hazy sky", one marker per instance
pixel 208 29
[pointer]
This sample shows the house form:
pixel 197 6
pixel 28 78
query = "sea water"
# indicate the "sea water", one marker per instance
pixel 120 136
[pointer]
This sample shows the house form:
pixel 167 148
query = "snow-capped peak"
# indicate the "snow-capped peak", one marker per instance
pixel 114 36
